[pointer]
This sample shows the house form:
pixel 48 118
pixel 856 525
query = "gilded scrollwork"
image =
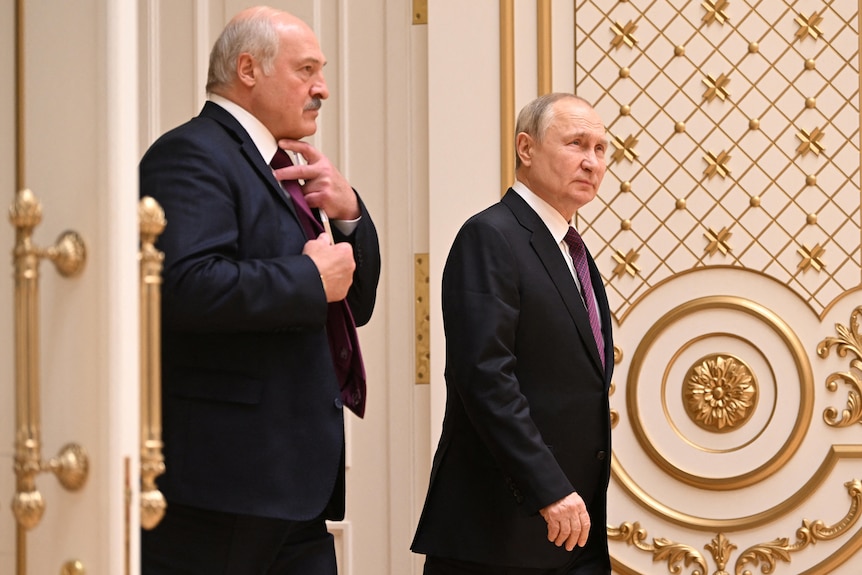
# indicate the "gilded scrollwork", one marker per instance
pixel 679 556
pixel 808 534
pixel 662 549
pixel 849 340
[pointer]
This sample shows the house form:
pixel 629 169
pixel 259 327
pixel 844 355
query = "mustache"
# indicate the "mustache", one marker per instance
pixel 314 104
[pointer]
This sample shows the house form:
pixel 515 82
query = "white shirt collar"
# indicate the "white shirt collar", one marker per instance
pixel 553 220
pixel 263 140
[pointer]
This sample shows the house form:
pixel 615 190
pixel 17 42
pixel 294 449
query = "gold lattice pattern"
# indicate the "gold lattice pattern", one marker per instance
pixel 735 129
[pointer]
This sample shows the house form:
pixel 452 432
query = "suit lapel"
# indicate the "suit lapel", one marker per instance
pixel 249 151
pixel 549 253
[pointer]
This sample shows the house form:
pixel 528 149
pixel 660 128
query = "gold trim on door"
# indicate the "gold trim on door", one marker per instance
pixel 152 222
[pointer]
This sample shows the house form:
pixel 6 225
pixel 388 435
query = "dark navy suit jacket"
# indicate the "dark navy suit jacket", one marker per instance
pixel 252 418
pixel 527 416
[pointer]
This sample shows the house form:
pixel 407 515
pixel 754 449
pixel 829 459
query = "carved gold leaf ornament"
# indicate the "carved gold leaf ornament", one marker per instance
pixel 808 25
pixel 626 263
pixel 624 34
pixel 849 340
pixel 716 165
pixel 718 241
pixel 808 534
pixel 716 87
pixel 625 149
pixel 810 142
pixel 811 257
pixel 716 10
pixel 763 555
pixel 720 393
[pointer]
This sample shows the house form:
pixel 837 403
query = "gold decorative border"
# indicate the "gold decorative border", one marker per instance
pixel 803 368
pixel 836 453
pixel 544 49
pixel 507 93
pixel 713 269
pixel 721 548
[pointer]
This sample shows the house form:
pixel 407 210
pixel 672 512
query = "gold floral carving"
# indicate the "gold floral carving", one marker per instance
pixel 849 340
pixel 679 556
pixel 720 393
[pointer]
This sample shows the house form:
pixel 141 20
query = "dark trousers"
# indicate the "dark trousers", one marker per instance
pixel 444 566
pixel 192 541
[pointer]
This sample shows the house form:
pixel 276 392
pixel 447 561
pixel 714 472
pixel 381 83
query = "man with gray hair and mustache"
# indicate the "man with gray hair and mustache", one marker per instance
pixel 269 266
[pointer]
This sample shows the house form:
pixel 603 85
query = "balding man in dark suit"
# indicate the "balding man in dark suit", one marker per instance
pixel 519 480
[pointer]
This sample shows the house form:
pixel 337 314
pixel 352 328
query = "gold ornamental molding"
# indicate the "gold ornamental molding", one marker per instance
pixel 151 219
pixel 720 393
pixel 422 318
pixel 544 50
pixel 507 93
pixel 625 149
pixel 716 11
pixel 626 263
pixel 810 141
pixel 716 88
pixel 849 340
pixel 808 25
pixel 765 556
pixel 624 34
pixel 835 454
pixel 802 367
pixel 811 258
pixel 718 241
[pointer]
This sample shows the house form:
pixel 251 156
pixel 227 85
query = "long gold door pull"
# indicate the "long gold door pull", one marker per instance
pixel 71 466
pixel 152 222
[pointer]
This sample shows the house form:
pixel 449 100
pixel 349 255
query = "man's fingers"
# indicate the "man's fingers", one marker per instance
pixel 553 531
pixel 309 152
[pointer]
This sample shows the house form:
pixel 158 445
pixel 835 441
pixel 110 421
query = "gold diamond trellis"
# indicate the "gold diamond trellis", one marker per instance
pixel 784 140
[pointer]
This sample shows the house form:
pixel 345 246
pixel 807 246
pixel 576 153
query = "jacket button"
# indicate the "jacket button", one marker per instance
pixel 601 455
pixel 338 403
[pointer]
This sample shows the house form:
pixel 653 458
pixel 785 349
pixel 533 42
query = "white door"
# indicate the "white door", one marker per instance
pixel 728 234
pixel 77 341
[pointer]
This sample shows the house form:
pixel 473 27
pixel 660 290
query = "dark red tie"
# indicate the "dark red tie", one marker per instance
pixel 340 327
pixel 579 258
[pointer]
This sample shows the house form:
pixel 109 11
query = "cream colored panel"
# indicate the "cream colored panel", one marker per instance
pixel 463 144
pixel 80 162
pixel 7 376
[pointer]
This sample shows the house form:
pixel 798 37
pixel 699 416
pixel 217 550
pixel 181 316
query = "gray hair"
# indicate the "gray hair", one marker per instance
pixel 536 116
pixel 255 34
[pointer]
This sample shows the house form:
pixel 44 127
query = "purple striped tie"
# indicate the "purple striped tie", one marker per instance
pixel 340 327
pixel 579 258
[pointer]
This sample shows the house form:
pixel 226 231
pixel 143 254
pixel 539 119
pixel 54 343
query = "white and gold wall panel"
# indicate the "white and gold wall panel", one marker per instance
pixel 736 141
pixel 728 234
pixel 727 231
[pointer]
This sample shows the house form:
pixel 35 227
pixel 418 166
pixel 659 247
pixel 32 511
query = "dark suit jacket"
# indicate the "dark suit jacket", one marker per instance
pixel 527 418
pixel 253 422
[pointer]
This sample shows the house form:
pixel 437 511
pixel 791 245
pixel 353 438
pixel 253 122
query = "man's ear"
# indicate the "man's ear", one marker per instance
pixel 246 70
pixel 524 148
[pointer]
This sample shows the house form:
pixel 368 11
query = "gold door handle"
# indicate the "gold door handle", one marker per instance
pixel 152 222
pixel 71 466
